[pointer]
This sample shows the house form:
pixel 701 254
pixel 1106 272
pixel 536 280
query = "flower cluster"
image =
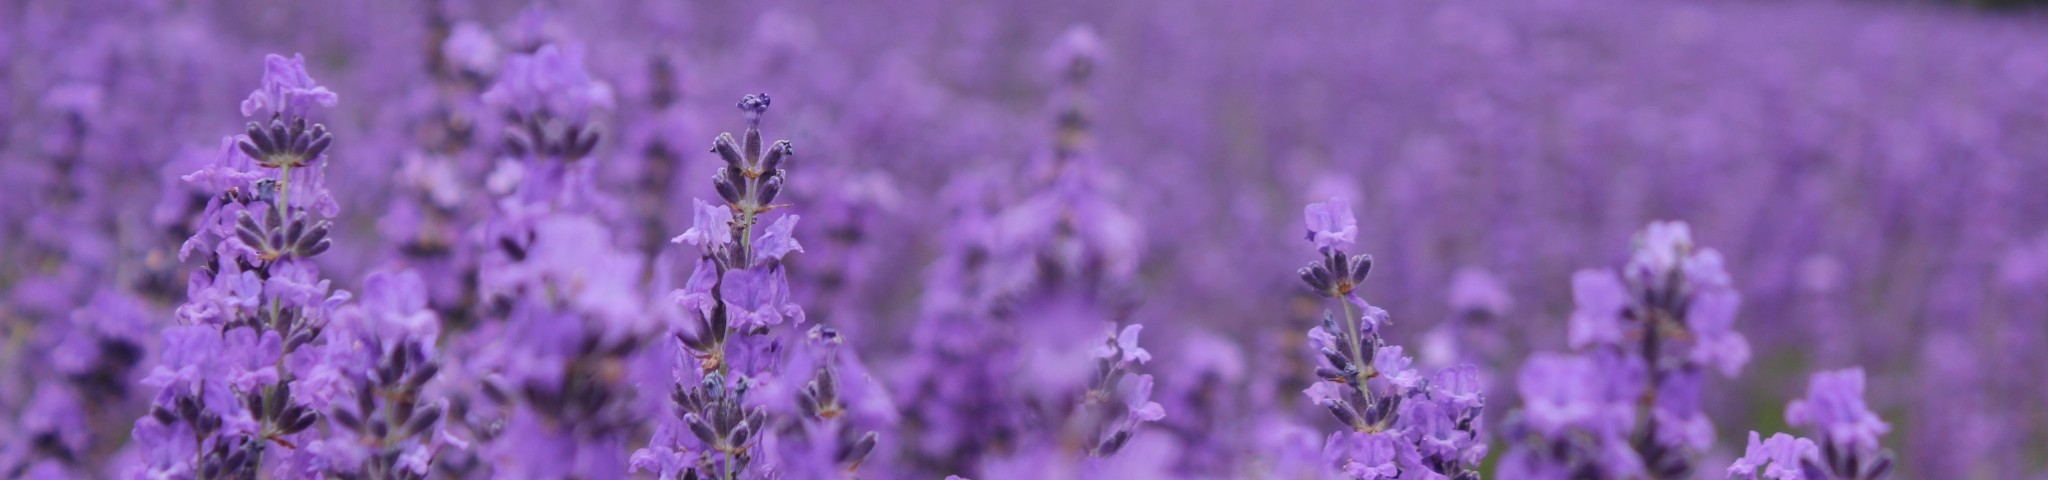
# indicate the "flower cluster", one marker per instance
pixel 1020 368
pixel 1649 335
pixel 384 425
pixel 245 372
pixel 750 398
pixel 1846 429
pixel 563 305
pixel 1399 423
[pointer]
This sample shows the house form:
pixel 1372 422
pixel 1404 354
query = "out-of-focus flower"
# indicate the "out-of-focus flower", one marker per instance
pixel 288 90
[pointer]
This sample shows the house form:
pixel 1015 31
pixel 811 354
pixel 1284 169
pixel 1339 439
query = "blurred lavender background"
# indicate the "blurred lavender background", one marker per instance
pixel 1871 172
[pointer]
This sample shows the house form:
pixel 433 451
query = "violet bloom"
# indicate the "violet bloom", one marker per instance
pixel 1397 425
pixel 229 380
pixel 1650 333
pixel 562 307
pixel 383 424
pixel 1022 365
pixel 288 91
pixel 1330 224
pixel 744 403
pixel 1845 445
pixel 1834 406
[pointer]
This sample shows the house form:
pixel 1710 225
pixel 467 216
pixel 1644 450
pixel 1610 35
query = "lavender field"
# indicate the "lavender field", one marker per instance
pixel 929 239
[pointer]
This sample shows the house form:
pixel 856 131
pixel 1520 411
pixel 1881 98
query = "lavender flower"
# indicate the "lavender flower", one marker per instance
pixel 561 307
pixel 1650 333
pixel 238 380
pixel 1008 380
pixel 1847 448
pixel 1400 425
pixel 383 424
pixel 752 410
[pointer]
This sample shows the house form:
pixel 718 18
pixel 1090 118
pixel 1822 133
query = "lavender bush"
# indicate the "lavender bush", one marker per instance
pixel 474 239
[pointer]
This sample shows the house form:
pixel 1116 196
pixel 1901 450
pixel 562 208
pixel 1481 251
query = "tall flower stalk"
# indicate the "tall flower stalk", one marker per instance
pixel 1629 405
pixel 1399 424
pixel 1024 366
pixel 563 303
pixel 239 388
pixel 750 398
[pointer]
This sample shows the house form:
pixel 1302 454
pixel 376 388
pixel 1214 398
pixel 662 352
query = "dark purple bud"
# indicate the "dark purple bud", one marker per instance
pixel 581 144
pixel 728 150
pixel 250 149
pixel 319 144
pixel 347 419
pixel 740 434
pixel 163 415
pixel 1361 266
pixel 299 339
pixel 188 408
pixel 421 421
pixel 1880 468
pixel 1344 413
pixel 516 144
pixel 808 405
pixel 1114 443
pixel 770 189
pixel 1308 276
pixel 859 450
pixel 496 392
pixel 828 387
pixel 296 229
pixel 301 143
pixel 1336 359
pixel 253 402
pixel 314 241
pixel 275 401
pixel 421 375
pixel 1811 469
pixel 365 401
pixel 727 190
pixel 778 153
pixel 280 138
pixel 701 429
pixel 258 138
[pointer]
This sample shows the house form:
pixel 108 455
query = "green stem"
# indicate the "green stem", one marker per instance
pixel 1351 337
pixel 284 191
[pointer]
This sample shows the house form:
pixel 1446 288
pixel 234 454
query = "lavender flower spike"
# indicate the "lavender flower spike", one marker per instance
pixel 1396 423
pixel 244 383
pixel 1648 335
pixel 744 405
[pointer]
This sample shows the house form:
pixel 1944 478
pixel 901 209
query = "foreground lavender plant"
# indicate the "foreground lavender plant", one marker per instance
pixel 731 372
pixel 1650 335
pixel 1847 430
pixel 1402 425
pixel 240 375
